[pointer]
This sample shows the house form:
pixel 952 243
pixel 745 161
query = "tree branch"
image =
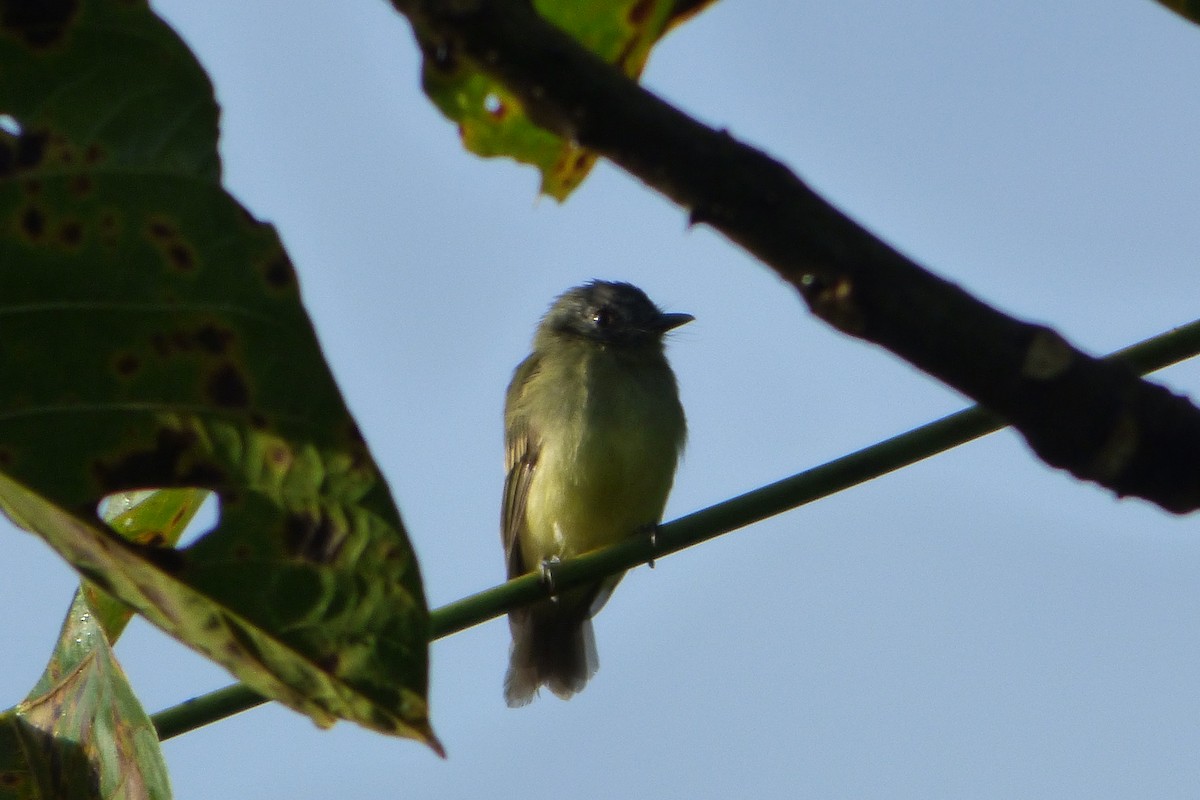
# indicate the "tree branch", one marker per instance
pixel 1096 419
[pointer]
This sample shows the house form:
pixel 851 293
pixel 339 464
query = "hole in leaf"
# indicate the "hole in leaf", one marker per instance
pixel 9 124
pixel 161 517
pixel 204 520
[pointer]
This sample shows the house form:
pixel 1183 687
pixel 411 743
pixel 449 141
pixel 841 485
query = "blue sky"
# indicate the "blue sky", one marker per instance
pixel 975 626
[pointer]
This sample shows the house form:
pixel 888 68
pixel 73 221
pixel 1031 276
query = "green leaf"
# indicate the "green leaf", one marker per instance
pixel 149 517
pixel 492 121
pixel 152 336
pixel 81 733
pixel 1185 8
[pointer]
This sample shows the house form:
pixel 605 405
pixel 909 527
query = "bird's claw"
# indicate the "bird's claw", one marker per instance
pixel 547 572
pixel 651 532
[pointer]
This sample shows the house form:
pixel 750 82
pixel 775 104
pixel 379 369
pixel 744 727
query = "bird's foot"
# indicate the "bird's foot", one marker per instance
pixel 650 532
pixel 547 572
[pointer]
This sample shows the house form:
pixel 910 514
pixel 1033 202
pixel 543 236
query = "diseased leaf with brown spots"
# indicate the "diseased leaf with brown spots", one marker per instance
pixel 81 733
pixel 152 336
pixel 492 122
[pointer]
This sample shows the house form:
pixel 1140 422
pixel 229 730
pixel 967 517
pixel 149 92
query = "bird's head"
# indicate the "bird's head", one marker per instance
pixel 610 313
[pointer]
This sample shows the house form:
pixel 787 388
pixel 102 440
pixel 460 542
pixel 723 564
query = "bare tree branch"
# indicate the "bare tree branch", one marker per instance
pixel 1095 418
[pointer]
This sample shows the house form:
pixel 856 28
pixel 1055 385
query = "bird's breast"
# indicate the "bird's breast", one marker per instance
pixel 606 464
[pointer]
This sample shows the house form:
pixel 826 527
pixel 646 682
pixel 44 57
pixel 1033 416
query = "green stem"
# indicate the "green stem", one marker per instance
pixel 834 476
pixel 200 711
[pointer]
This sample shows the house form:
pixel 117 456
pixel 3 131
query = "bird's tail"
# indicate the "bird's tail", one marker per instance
pixel 553 646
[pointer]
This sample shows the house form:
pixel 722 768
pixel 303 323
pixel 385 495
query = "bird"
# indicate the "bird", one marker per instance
pixel 594 430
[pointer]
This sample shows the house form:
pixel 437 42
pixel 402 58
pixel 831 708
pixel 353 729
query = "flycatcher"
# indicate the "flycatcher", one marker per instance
pixel 593 430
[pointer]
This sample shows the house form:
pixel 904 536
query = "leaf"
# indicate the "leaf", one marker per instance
pixel 152 336
pixel 149 517
pixel 1185 8
pixel 81 733
pixel 491 120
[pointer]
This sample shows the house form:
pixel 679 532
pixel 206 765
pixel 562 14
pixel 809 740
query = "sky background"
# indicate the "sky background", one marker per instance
pixel 976 626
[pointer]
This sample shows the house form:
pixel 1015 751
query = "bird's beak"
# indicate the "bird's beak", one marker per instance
pixel 668 321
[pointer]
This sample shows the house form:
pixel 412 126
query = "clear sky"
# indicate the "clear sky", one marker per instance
pixel 977 626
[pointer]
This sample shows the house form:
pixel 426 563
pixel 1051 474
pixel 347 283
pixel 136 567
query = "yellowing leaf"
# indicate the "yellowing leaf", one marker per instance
pixel 81 733
pixel 492 121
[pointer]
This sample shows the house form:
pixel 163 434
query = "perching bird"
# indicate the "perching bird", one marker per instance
pixel 593 429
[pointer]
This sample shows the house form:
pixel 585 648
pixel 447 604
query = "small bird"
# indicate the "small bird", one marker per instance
pixel 593 429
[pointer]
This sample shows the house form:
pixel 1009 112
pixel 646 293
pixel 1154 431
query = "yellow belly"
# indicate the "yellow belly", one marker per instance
pixel 605 472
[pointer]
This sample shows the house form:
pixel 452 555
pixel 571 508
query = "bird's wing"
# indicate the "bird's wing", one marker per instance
pixel 520 460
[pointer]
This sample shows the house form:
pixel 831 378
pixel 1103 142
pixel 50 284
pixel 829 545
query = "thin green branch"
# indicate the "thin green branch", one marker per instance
pixel 200 711
pixel 842 473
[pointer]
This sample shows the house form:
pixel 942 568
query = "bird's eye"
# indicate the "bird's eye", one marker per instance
pixel 603 317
